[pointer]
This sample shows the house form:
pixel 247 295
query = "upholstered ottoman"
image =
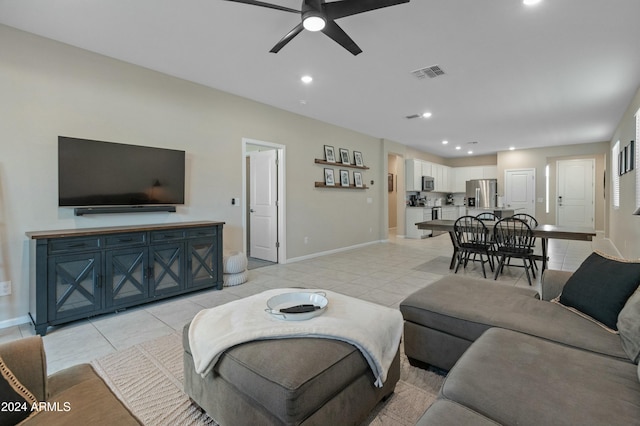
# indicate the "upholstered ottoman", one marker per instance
pixel 297 381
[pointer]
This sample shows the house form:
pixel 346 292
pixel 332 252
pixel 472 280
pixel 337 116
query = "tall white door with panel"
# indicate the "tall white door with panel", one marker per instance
pixel 575 203
pixel 263 205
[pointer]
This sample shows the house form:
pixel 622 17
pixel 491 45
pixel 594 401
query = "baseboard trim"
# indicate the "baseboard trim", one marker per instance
pixel 15 321
pixel 334 251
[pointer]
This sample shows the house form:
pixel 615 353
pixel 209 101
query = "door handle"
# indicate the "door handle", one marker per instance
pixel 560 200
pixel 251 210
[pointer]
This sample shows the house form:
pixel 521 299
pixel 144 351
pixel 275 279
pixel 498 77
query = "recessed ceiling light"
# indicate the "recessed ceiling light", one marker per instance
pixel 306 79
pixel 530 2
pixel 445 142
pixel 469 152
pixel 458 148
pixel 426 115
pixel 511 148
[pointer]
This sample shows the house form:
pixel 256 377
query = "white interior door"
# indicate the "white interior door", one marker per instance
pixel 263 205
pixel 520 190
pixel 575 203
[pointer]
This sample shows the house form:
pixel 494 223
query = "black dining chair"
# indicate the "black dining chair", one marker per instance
pixel 532 222
pixel 513 238
pixel 472 237
pixel 487 216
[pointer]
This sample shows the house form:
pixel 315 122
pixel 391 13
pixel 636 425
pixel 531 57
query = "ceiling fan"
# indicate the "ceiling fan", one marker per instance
pixel 317 15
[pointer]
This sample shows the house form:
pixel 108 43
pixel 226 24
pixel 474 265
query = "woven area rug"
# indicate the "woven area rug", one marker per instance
pixel 148 378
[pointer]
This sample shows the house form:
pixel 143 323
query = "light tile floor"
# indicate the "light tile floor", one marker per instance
pixel 384 273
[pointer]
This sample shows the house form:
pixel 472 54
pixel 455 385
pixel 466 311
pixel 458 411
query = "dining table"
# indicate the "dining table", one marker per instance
pixel 542 231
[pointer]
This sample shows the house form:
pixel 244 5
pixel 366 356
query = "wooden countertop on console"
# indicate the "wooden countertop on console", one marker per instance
pixel 79 232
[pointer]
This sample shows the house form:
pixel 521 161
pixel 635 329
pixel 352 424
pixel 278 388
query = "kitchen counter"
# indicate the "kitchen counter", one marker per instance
pixel 499 212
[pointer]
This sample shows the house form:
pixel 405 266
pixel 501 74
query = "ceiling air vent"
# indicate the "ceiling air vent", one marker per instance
pixel 431 72
pixel 412 116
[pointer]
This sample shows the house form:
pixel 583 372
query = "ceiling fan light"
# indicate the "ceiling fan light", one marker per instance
pixel 313 22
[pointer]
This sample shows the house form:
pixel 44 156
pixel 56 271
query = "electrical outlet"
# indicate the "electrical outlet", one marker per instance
pixel 5 288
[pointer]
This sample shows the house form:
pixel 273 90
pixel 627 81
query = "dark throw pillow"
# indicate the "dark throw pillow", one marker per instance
pixel 600 287
pixel 16 400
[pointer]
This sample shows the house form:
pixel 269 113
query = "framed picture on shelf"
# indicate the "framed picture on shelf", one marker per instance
pixel 344 177
pixel 357 157
pixel 329 154
pixel 344 156
pixel 357 179
pixel 329 179
pixel 631 155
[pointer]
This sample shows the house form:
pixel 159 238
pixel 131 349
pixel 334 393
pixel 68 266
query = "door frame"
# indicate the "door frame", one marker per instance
pixel 282 205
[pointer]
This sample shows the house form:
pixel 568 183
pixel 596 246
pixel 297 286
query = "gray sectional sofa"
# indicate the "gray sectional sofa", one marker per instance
pixel 515 358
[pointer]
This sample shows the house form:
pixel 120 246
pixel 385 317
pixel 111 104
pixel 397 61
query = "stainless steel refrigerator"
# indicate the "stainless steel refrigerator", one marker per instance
pixel 482 193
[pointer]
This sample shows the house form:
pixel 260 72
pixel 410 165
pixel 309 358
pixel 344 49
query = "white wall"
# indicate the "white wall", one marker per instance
pixel 538 158
pixel 624 227
pixel 50 89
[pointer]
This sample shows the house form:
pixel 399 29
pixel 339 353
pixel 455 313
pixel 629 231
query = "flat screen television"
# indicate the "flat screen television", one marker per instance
pixel 94 173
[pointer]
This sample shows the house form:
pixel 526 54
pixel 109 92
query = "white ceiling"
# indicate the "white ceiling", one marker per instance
pixel 562 72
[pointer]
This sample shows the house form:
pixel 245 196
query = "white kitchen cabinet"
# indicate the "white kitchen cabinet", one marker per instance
pixel 449 213
pixel 462 211
pixel 413 215
pixel 460 179
pixel 427 169
pixel 441 177
pixel 463 174
pixel 413 175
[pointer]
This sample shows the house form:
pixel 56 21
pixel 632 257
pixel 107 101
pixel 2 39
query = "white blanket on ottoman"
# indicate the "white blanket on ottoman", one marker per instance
pixel 375 330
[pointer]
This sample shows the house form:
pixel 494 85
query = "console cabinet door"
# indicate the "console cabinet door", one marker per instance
pixel 74 285
pixel 202 262
pixel 126 276
pixel 167 269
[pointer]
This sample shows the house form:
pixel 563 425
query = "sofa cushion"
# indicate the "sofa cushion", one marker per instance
pixel 449 413
pixel 629 327
pixel 17 401
pixel 514 378
pixel 466 307
pixel 600 287
pixel 79 396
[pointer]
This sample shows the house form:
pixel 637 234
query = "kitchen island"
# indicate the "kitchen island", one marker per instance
pixel 498 212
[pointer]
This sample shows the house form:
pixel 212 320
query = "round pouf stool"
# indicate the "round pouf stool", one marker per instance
pixel 235 279
pixel 234 267
pixel 235 262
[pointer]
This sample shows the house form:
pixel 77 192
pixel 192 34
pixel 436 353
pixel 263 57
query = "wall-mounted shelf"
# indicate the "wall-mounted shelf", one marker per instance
pixel 353 166
pixel 323 185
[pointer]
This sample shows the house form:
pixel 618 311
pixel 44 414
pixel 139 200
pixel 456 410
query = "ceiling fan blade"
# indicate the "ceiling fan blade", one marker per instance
pixel 338 35
pixel 267 5
pixel 286 39
pixel 340 9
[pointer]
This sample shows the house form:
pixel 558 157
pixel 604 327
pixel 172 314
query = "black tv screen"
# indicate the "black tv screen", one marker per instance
pixel 95 173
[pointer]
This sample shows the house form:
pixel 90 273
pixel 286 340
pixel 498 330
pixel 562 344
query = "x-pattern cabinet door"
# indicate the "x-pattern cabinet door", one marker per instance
pixel 167 270
pixel 202 262
pixel 126 276
pixel 75 284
